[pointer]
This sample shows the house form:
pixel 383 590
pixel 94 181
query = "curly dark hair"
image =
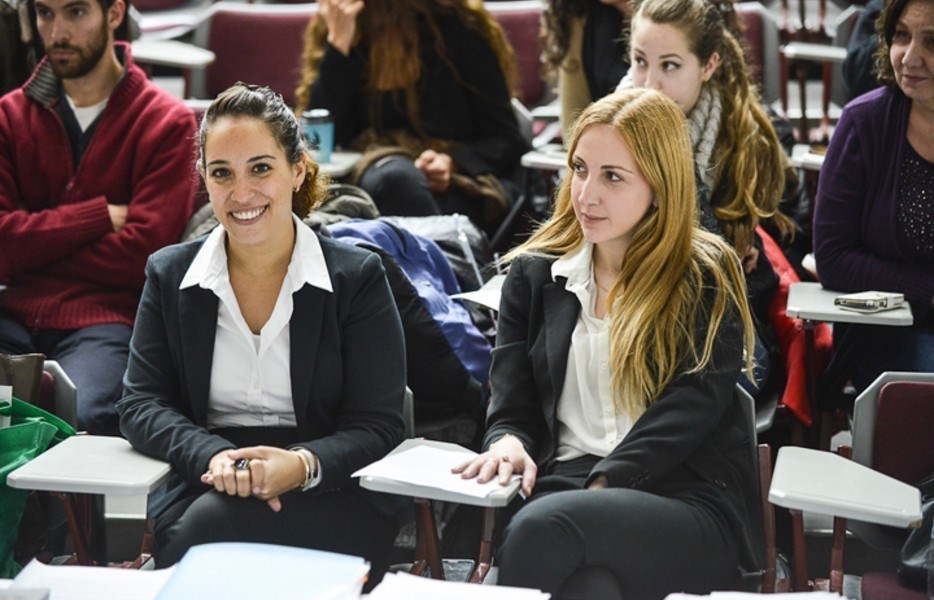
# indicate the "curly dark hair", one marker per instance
pixel 885 30
pixel 556 33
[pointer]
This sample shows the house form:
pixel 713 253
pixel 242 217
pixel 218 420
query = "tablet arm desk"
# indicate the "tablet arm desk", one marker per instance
pixel 825 483
pixel 85 467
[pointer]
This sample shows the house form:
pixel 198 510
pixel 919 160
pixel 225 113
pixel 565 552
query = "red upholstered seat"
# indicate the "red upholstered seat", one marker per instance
pixel 791 336
pixel 886 586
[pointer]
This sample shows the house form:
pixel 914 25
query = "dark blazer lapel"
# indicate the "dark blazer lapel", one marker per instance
pixel 562 308
pixel 197 313
pixel 304 337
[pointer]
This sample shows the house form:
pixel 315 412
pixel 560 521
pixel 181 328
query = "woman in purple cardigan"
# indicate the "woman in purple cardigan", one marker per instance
pixel 874 218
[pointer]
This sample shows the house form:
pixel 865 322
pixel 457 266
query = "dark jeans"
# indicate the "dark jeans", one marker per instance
pixel 614 543
pixel 94 358
pixel 863 352
pixel 399 188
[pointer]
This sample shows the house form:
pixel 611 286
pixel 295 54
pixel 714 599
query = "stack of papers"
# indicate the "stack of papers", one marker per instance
pixel 427 465
pixel 67 582
pixel 229 571
pixel 241 571
pixel 402 586
pixel 752 596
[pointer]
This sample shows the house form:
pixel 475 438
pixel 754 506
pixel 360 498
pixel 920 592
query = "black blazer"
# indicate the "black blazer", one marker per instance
pixel 691 443
pixel 347 368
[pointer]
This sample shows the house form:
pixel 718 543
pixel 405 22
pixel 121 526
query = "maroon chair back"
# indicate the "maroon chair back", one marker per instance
pixel 752 43
pixel 903 446
pixel 152 5
pixel 261 46
pixel 760 44
pixel 46 396
pixel 521 22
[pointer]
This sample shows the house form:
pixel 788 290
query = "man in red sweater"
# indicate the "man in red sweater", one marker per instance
pixel 96 173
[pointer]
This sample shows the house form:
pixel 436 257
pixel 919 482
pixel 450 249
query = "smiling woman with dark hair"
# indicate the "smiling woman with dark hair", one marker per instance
pixel 267 364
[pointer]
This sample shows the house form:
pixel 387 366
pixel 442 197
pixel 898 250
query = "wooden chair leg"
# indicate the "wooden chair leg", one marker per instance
pixel 485 555
pixel 78 526
pixel 427 548
pixel 800 567
pixel 768 515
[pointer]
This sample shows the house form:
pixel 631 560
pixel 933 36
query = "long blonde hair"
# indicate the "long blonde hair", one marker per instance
pixel 671 270
pixel 390 30
pixel 750 164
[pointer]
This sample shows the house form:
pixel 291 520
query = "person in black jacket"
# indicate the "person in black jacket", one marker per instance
pixel 620 339
pixel 267 363
pixel 859 71
pixel 423 88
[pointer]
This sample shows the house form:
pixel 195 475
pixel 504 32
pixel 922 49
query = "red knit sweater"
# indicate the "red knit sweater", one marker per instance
pixel 63 265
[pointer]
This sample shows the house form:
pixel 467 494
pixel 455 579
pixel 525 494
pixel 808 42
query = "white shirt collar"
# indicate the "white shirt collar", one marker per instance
pixel 576 266
pixel 307 264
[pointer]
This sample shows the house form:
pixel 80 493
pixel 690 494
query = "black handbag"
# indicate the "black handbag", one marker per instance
pixel 912 567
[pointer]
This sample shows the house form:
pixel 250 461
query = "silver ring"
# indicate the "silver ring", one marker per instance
pixel 242 464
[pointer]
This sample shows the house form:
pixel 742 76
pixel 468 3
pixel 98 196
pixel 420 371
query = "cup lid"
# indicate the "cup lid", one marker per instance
pixel 316 113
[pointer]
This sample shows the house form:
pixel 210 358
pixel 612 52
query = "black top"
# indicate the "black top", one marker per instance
pixel 472 106
pixel 858 66
pixel 604 50
pixel 915 207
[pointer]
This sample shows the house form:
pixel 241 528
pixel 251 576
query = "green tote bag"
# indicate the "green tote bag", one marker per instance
pixel 31 431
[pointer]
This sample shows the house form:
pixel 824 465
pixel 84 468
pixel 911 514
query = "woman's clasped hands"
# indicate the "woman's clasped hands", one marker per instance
pixel 264 472
pixel 505 458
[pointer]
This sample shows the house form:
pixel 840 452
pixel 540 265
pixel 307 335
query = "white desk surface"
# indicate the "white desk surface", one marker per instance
pixel 808 300
pixel 803 158
pixel 171 53
pixel 91 464
pixel 500 497
pixel 341 163
pixel 547 112
pixel 826 483
pixel 815 52
pixel 550 157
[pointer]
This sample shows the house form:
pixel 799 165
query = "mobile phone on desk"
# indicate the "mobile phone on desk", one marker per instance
pixel 870 302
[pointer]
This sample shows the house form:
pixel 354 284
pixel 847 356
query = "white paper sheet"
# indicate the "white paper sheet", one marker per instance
pixel 70 582
pixel 402 586
pixel 431 467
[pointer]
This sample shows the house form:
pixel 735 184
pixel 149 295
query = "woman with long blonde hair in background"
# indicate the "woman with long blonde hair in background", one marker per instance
pixel 619 344
pixel 687 50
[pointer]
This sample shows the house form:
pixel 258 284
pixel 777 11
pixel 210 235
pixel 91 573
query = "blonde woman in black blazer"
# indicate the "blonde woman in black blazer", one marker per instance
pixel 619 343
pixel 270 463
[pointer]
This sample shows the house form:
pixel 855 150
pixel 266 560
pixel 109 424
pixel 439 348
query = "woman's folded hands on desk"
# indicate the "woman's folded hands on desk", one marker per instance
pixel 268 473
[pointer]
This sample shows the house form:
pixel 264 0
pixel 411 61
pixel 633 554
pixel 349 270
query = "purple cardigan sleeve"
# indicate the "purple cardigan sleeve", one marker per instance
pixel 855 241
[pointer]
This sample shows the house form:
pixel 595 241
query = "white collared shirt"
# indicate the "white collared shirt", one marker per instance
pixel 251 382
pixel 588 421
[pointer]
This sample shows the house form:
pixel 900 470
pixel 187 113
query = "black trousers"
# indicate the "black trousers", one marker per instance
pixel 338 521
pixel 399 188
pixel 614 543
